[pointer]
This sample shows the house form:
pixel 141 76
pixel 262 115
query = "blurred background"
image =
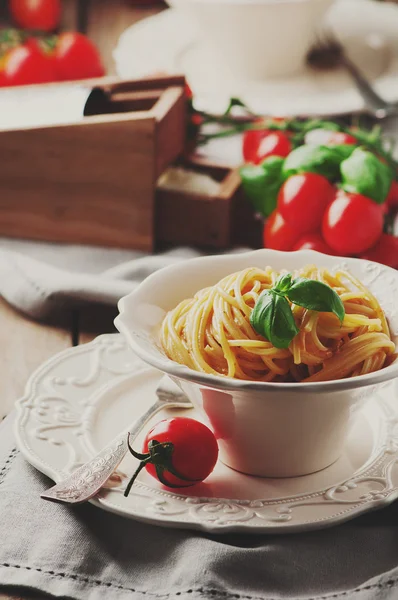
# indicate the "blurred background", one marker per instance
pixel 146 125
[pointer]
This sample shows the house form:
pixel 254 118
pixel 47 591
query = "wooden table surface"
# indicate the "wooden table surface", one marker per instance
pixel 103 21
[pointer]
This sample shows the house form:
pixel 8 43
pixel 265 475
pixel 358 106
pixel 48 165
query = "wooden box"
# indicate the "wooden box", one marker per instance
pixel 219 221
pixel 93 181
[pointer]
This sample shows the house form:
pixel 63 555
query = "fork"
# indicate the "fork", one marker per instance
pixel 87 480
pixel 328 52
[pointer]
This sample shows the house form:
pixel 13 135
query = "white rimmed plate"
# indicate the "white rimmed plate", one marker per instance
pixel 170 43
pixel 78 400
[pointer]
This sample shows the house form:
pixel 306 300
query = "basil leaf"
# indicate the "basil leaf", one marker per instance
pixel 363 173
pixel 283 284
pixel 316 295
pixel 261 183
pixel 324 160
pixel 272 318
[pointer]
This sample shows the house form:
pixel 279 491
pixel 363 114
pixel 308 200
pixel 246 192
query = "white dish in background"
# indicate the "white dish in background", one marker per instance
pixel 78 400
pixel 170 43
pixel 241 31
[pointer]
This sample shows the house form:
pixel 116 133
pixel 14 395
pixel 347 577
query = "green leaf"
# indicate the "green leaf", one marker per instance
pixel 273 319
pixel 315 295
pixel 283 284
pixel 324 160
pixel 261 183
pixel 363 173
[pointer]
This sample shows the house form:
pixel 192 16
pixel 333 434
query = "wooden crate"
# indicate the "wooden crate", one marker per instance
pixel 94 181
pixel 218 222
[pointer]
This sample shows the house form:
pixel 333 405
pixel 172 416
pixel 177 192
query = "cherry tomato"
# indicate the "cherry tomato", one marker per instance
pixel 302 200
pixel 258 144
pixel 186 447
pixel 313 241
pixel 41 15
pixel 339 137
pixel 276 143
pixel 352 223
pixel 278 234
pixel 76 57
pixel 27 64
pixel 251 141
pixel 392 198
pixel 385 251
pixel 188 92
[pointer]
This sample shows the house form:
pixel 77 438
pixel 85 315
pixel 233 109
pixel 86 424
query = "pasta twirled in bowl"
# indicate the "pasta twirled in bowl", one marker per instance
pixel 212 333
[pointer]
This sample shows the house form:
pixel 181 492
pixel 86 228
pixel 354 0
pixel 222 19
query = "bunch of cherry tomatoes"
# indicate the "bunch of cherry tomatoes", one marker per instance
pixel 314 212
pixel 34 54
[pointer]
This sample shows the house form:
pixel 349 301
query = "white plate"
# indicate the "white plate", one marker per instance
pixel 77 401
pixel 169 43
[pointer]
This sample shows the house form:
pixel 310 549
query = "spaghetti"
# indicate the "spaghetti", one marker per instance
pixel 212 332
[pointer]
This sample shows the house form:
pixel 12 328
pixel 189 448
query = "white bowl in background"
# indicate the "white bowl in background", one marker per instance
pixel 258 39
pixel 265 429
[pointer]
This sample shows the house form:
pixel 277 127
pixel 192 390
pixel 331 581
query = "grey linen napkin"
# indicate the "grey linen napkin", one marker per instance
pixel 37 287
pixel 84 553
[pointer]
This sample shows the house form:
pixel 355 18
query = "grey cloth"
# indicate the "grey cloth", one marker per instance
pixel 84 553
pixel 34 277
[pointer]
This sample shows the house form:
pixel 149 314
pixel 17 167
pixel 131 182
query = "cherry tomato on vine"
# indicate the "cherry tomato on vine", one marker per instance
pixel 339 138
pixel 188 92
pixel 40 15
pixel 302 200
pixel 27 64
pixel 385 251
pixel 76 57
pixel 179 452
pixel 251 141
pixel 313 241
pixel 258 144
pixel 392 198
pixel 278 234
pixel 352 223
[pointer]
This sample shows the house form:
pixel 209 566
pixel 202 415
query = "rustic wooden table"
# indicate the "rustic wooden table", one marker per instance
pixel 25 344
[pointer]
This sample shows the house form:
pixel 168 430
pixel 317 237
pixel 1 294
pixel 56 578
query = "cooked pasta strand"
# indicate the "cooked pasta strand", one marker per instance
pixel 212 332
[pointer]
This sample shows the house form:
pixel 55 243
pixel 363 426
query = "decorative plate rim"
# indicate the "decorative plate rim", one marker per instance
pixel 375 500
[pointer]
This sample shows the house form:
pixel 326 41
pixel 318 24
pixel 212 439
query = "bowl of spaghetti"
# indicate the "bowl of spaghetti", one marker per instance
pixel 281 402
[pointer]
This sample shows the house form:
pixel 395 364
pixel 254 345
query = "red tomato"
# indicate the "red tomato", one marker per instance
pixel 27 64
pixel 313 241
pixel 302 200
pixel 339 137
pixel 278 234
pixel 385 251
pixel 76 57
pixel 276 143
pixel 188 92
pixel 193 454
pixel 392 198
pixel 258 144
pixel 251 141
pixel 352 223
pixel 41 15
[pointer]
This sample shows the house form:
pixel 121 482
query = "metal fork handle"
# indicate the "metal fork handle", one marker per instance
pixel 373 102
pixel 88 479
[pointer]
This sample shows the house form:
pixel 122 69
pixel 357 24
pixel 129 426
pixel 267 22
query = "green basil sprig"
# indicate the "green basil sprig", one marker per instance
pixel 261 183
pixel 363 173
pixel 323 160
pixel 272 315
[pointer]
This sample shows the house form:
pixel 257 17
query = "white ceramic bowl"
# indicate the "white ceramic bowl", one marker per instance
pixel 257 39
pixel 266 429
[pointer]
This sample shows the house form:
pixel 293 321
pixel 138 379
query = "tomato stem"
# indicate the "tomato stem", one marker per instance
pixel 159 455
